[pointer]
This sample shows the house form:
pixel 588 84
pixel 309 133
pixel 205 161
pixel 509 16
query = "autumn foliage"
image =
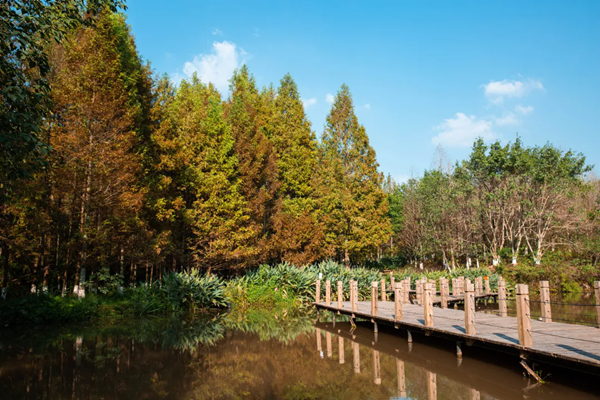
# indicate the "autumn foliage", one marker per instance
pixel 147 177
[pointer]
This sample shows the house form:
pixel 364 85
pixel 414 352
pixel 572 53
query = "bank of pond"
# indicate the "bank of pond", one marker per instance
pixel 282 287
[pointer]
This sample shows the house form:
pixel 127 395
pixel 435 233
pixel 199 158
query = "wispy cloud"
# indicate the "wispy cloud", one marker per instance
pixel 329 98
pixel 462 131
pixel 524 110
pixel 256 32
pixel 217 31
pixel 496 91
pixel 218 66
pixel 506 120
pixel 309 102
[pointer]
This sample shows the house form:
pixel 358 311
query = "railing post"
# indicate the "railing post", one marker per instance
pixel 545 299
pixel 392 281
pixel 428 290
pixel 597 297
pixel 487 284
pixel 340 292
pixel 406 299
pixel 397 301
pixel 374 298
pixel 419 287
pixel 524 316
pixel 318 292
pixel 354 296
pixel 478 286
pixel 454 287
pixel 502 298
pixel 383 293
pixel 469 308
pixel 444 292
pixel 328 292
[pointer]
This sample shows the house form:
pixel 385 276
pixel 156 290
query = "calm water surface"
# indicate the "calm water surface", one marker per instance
pixel 230 357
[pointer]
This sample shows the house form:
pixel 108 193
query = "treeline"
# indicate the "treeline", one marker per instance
pixel 132 176
pixel 503 203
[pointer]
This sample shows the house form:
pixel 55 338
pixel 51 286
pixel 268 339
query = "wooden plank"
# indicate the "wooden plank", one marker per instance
pixel 574 343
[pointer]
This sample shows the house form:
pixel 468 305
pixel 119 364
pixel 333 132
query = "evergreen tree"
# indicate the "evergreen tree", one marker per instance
pixel 257 162
pixel 354 204
pixel 297 234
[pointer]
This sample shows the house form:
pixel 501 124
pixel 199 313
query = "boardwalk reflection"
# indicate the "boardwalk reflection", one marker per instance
pixel 425 372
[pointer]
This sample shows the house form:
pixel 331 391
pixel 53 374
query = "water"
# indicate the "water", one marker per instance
pixel 570 308
pixel 260 356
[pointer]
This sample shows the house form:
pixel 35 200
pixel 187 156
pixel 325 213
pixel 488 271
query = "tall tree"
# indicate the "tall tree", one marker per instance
pixel 27 30
pixel 93 132
pixel 354 204
pixel 257 162
pixel 297 234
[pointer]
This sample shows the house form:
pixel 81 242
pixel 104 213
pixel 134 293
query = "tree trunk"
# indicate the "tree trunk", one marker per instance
pixel 6 254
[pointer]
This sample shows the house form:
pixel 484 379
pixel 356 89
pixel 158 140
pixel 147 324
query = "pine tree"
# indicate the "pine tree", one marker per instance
pixel 353 201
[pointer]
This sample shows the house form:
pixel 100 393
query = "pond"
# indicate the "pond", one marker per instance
pixel 230 356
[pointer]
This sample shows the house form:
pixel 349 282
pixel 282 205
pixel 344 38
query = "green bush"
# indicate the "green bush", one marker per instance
pixel 43 308
pixel 189 291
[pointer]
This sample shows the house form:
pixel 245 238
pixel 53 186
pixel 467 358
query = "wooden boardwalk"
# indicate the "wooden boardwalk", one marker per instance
pixel 568 345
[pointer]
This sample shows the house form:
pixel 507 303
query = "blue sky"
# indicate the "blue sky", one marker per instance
pixel 421 73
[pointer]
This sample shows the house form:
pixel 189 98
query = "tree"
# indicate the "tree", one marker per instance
pixel 353 201
pixel 257 162
pixel 297 234
pixel 28 29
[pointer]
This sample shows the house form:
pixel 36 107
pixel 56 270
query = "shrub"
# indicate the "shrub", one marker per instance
pixel 188 291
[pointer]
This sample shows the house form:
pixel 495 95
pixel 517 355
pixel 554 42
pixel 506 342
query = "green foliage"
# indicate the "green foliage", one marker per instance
pixel 353 204
pixel 570 287
pixel 105 282
pixel 189 291
pixel 27 28
pixel 46 309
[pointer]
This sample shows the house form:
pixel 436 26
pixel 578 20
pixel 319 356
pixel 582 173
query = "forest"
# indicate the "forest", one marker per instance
pixel 110 172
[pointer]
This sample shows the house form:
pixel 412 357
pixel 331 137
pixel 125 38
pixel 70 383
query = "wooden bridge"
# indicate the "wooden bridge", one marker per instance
pixel 568 345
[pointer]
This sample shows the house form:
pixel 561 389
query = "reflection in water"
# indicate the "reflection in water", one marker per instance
pixel 214 358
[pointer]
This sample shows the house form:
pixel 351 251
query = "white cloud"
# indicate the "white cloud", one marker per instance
pixel 309 102
pixel 524 110
pixel 329 98
pixel 218 66
pixel 256 32
pixel 506 120
pixel 368 106
pixel 217 32
pixel 462 131
pixel 496 91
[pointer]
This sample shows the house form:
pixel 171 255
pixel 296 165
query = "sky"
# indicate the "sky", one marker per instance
pixel 423 74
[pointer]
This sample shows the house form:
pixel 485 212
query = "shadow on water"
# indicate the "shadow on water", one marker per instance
pixel 258 355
